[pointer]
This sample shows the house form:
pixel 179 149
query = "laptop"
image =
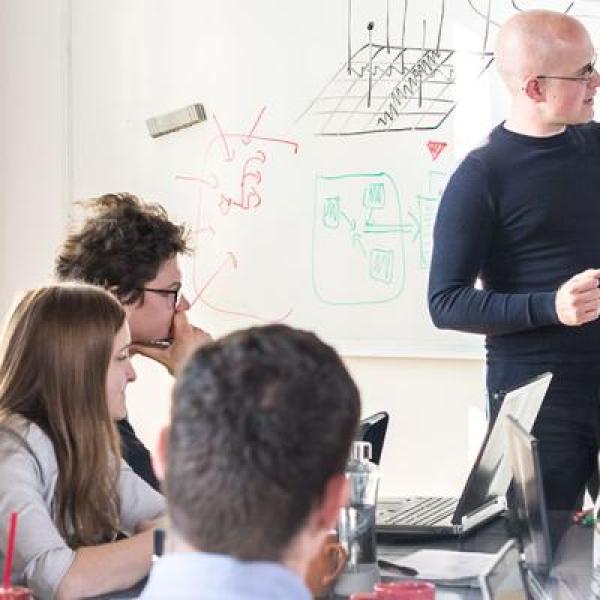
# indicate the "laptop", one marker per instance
pixel 484 494
pixel 529 512
pixel 531 519
pixel 373 430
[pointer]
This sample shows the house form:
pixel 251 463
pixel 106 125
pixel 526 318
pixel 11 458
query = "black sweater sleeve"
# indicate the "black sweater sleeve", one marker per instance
pixel 463 238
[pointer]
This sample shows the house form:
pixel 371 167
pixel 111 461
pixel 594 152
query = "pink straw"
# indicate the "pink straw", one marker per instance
pixel 10 550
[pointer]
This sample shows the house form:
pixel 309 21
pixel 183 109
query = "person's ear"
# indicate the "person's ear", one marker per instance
pixel 334 497
pixel 533 89
pixel 127 306
pixel 159 458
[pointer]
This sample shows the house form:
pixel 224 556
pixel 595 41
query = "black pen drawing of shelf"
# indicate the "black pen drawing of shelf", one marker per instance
pixel 391 88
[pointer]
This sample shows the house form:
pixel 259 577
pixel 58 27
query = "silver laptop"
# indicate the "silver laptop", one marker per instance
pixel 484 494
pixel 530 517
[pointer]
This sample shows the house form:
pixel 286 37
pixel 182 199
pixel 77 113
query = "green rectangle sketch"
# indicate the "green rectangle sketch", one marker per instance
pixel 358 239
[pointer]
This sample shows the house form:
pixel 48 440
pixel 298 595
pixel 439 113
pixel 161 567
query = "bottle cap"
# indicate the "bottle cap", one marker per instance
pixel 361 450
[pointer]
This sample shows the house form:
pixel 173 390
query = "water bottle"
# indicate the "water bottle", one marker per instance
pixel 356 524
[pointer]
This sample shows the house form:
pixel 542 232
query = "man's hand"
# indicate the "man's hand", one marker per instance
pixel 186 338
pixel 578 299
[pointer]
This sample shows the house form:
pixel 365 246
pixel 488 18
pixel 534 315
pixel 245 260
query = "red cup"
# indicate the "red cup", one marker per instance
pixel 15 593
pixel 405 590
pixel 364 596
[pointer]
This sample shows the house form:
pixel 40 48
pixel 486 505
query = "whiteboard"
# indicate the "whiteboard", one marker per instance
pixel 313 185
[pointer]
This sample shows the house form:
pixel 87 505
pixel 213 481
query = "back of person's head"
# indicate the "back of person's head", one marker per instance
pixel 54 357
pixel 120 245
pixel 261 421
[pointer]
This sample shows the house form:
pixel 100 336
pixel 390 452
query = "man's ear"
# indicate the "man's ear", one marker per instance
pixel 159 458
pixel 533 89
pixel 127 306
pixel 334 497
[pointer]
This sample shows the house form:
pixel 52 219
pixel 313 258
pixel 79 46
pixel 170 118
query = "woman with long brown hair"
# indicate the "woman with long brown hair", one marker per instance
pixel 64 366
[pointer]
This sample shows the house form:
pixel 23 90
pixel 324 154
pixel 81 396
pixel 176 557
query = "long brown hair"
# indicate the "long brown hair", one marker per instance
pixel 54 357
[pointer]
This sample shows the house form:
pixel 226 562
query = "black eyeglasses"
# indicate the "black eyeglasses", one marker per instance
pixel 588 74
pixel 164 292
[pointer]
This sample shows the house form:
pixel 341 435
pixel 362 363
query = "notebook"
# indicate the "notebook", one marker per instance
pixel 484 494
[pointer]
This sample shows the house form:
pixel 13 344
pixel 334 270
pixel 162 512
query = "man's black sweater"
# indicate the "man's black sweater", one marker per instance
pixel 522 214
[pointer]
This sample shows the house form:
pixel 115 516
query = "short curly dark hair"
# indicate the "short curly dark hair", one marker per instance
pixel 120 245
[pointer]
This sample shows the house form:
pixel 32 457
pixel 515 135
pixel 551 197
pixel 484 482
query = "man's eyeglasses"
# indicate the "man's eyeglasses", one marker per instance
pixel 587 74
pixel 163 292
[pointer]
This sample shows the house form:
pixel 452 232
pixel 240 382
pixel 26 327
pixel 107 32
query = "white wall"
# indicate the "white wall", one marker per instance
pixel 436 417
pixel 32 140
pixel 435 405
pixel 436 420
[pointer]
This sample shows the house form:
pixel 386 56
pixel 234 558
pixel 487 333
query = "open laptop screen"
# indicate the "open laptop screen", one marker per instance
pixel 373 429
pixel 491 473
pixel 529 507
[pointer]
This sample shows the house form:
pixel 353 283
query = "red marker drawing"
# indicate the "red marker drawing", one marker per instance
pixel 435 148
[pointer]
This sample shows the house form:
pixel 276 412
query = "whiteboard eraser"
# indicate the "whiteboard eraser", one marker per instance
pixel 178 119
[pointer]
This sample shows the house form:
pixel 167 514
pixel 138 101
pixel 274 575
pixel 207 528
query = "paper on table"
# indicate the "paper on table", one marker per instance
pixel 444 566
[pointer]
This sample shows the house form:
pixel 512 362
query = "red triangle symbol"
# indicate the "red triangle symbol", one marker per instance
pixel 436 148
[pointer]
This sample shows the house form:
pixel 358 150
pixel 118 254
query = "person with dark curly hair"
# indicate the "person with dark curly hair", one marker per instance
pixel 131 248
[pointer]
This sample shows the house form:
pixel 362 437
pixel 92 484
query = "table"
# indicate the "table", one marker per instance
pixel 572 572
pixel 572 575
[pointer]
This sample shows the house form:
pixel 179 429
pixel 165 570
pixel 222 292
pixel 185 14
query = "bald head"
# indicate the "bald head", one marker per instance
pixel 530 42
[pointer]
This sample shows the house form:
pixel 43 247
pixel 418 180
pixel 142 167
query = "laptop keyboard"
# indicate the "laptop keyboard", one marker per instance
pixel 417 511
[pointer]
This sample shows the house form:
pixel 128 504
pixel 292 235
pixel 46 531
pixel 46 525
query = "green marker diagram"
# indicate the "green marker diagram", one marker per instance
pixel 427 205
pixel 358 239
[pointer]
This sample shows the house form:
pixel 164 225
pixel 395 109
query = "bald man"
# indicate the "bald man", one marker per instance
pixel 522 214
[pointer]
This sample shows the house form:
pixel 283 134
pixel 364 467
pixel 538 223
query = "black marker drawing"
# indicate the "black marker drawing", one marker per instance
pixel 370 28
pixel 482 15
pixel 386 87
pixel 487 24
pixel 403 42
pixel 349 37
pixel 439 38
pixel 387 25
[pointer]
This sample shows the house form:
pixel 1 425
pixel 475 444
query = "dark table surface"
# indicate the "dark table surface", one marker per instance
pixel 572 574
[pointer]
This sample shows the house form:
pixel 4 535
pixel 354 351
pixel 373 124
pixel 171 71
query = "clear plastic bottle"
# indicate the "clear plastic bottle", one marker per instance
pixel 356 524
